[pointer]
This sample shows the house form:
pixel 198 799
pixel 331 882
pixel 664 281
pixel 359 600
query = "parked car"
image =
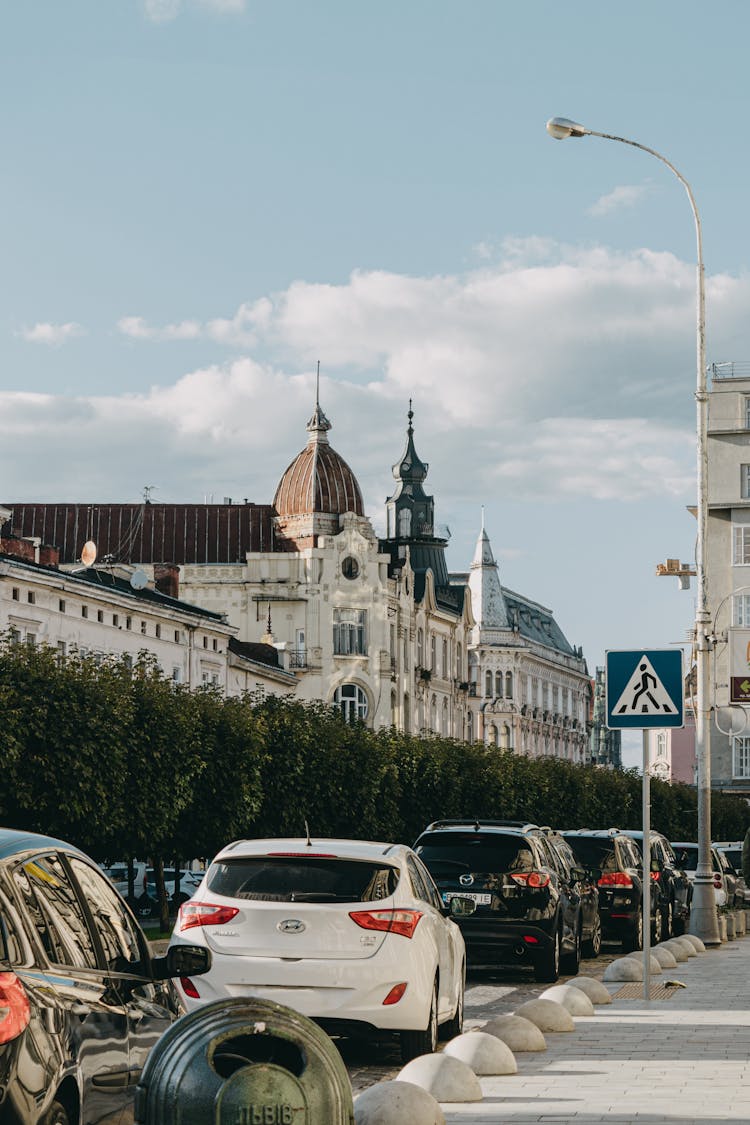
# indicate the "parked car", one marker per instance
pixel 82 1000
pixel 590 930
pixel 675 889
pixel 732 852
pixel 528 900
pixel 724 880
pixel 188 882
pixel 351 934
pixel 614 863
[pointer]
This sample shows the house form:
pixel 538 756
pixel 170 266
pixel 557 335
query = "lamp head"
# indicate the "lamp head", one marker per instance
pixel 561 128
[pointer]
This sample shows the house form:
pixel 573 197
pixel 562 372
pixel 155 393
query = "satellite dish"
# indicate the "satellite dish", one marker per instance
pixel 88 553
pixel 138 579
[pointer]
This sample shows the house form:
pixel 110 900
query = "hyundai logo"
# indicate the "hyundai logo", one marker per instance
pixel 466 880
pixel 291 926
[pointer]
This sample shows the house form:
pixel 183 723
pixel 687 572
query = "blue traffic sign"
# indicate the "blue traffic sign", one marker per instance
pixel 645 689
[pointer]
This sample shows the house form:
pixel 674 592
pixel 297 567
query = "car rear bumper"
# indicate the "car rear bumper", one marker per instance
pixel 491 942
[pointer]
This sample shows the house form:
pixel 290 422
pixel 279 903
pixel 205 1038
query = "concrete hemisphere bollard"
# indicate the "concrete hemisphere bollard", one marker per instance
pixel 624 969
pixel 593 988
pixel 388 1103
pixel 240 1060
pixel 696 942
pixel 684 944
pixel 485 1054
pixel 548 1015
pixel 677 949
pixel 448 1079
pixel 574 999
pixel 664 956
pixel 517 1033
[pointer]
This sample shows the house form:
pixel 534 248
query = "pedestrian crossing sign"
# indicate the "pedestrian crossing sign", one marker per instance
pixel 645 689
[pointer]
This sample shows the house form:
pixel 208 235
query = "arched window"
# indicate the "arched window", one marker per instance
pixel 420 648
pixel 407 716
pixel 445 668
pixel 469 727
pixel 508 685
pixel 505 737
pixel 445 717
pixel 499 685
pixel 433 715
pixel 352 702
pixel 459 665
pixel 492 735
pixel 488 684
pixel 433 658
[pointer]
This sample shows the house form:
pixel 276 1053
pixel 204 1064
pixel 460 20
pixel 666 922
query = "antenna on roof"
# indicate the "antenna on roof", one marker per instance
pixel 317 386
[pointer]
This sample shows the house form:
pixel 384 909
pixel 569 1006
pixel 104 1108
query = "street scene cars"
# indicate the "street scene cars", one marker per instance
pixel 732 853
pixel 82 999
pixel 352 934
pixel 675 889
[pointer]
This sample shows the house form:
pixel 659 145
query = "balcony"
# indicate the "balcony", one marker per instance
pixel 297 658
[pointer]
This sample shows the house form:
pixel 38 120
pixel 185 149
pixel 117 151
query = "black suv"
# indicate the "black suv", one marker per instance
pixel 614 862
pixel 82 1000
pixel 675 889
pixel 527 897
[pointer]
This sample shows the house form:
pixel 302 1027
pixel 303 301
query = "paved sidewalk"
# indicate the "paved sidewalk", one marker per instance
pixel 682 1060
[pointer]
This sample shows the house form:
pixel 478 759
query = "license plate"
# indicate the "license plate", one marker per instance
pixel 475 896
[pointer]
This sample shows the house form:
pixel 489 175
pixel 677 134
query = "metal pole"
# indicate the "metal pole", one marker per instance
pixel 646 788
pixel 703 918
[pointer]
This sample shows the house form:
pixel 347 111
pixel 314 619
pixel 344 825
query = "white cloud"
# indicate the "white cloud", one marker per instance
pixel 627 195
pixel 235 331
pixel 51 334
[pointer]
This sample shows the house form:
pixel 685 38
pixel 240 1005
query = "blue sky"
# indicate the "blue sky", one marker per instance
pixel 201 198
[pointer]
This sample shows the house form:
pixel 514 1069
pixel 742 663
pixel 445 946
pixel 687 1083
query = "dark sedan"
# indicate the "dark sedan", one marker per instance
pixel 82 1001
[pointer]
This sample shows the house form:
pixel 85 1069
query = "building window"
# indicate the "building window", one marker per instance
pixel 446 665
pixel 128 622
pixel 499 685
pixel 31 597
pixel 157 630
pixel 661 745
pixel 747 413
pixel 143 627
pixel 742 611
pixel 433 715
pixel 350 567
pixel 215 644
pixel 84 611
pixel 352 702
pixel 420 648
pixel 508 685
pixel 100 615
pixel 741 756
pixel 115 620
pixel 15 636
pixel 177 636
pixel 433 656
pixel 61 605
pixel 444 730
pixel 741 541
pixel 176 674
pixel 745 482
pixel 31 640
pixel 61 651
pixel 488 685
pixel 16 594
pixel 459 663
pixel 205 642
pixel 349 632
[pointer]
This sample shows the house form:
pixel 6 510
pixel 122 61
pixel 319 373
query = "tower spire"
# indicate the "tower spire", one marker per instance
pixel 318 426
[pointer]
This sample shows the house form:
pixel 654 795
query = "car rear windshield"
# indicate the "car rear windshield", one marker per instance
pixel 451 853
pixel 298 879
pixel 597 855
pixel 734 855
pixel 687 856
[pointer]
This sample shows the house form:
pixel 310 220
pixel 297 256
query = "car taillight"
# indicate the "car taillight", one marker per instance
pixel 204 914
pixel 656 875
pixel 395 994
pixel 533 879
pixel 614 879
pixel 189 988
pixel 402 922
pixel 717 882
pixel 15 1011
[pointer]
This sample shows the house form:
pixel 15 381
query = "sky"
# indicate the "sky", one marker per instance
pixel 201 199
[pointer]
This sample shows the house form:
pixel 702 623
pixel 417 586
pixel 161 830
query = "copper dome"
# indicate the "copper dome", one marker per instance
pixel 318 479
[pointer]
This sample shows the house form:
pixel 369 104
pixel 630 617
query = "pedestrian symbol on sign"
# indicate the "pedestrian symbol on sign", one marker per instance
pixel 644 693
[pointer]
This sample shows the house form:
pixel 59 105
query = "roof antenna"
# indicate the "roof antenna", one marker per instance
pixel 482 517
pixel 317 388
pixel 307 831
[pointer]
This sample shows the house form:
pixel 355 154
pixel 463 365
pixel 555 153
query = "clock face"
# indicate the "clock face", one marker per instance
pixel 405 466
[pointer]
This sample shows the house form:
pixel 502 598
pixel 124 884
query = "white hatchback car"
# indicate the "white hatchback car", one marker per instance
pixel 352 934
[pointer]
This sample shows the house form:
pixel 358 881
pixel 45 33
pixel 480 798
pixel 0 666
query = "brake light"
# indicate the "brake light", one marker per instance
pixel 204 914
pixel 533 879
pixel 656 875
pixel 717 882
pixel 15 1011
pixel 614 879
pixel 402 922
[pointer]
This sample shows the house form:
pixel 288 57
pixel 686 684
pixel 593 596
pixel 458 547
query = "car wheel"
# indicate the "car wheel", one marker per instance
pixel 55 1115
pixel 416 1043
pixel 547 963
pixel 571 962
pixel 455 1024
pixel 657 929
pixel 593 945
pixel 668 922
pixel 633 939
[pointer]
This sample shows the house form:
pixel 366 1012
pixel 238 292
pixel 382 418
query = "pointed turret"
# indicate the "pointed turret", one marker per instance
pixel 411 512
pixel 487 599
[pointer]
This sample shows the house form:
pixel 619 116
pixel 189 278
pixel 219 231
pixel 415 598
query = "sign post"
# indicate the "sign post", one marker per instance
pixel 645 691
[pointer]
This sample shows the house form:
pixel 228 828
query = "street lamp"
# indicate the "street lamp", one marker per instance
pixel 703 920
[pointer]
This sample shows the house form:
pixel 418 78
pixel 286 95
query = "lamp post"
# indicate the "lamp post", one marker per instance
pixel 703 919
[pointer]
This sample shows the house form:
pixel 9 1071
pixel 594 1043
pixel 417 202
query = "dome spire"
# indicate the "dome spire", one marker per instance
pixel 318 426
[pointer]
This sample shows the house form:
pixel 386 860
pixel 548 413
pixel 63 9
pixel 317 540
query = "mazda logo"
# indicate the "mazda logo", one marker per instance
pixel 291 926
pixel 466 880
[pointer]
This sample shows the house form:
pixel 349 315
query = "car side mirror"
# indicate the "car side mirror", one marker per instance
pixel 461 907
pixel 182 961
